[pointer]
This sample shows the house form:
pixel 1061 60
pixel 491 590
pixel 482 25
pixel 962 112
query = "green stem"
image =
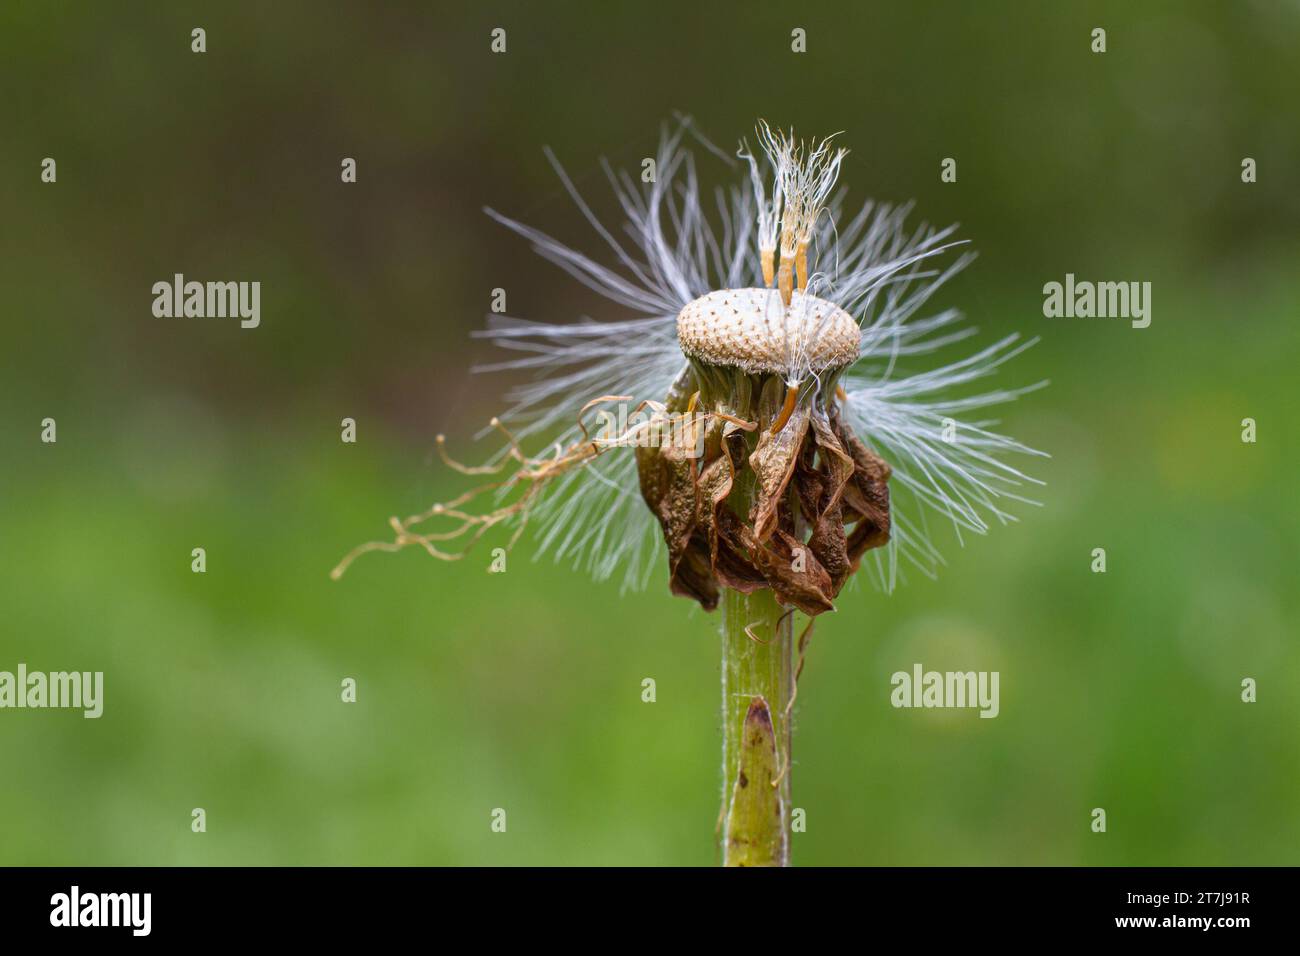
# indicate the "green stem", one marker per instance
pixel 757 683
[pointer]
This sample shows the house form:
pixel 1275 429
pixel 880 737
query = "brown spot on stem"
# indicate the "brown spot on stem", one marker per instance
pixel 754 832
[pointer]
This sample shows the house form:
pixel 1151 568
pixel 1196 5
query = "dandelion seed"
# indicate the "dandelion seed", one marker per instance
pixel 674 262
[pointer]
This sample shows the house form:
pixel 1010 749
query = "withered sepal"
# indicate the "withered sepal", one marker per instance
pixel 795 512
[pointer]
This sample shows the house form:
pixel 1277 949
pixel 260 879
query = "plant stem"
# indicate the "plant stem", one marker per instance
pixel 757 683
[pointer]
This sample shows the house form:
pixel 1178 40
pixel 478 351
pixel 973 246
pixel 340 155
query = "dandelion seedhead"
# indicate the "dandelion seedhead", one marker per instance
pixel 770 358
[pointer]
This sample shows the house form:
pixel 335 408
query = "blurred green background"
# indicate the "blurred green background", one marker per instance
pixel 522 690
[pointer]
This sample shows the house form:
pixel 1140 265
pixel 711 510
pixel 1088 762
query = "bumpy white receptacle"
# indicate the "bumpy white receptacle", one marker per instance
pixel 753 330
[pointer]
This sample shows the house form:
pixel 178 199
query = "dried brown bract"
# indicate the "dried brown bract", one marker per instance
pixel 791 509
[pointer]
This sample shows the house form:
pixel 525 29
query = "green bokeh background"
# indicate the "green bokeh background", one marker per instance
pixel 522 690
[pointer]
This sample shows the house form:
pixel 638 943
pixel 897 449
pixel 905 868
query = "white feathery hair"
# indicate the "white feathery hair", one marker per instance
pixel 668 253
